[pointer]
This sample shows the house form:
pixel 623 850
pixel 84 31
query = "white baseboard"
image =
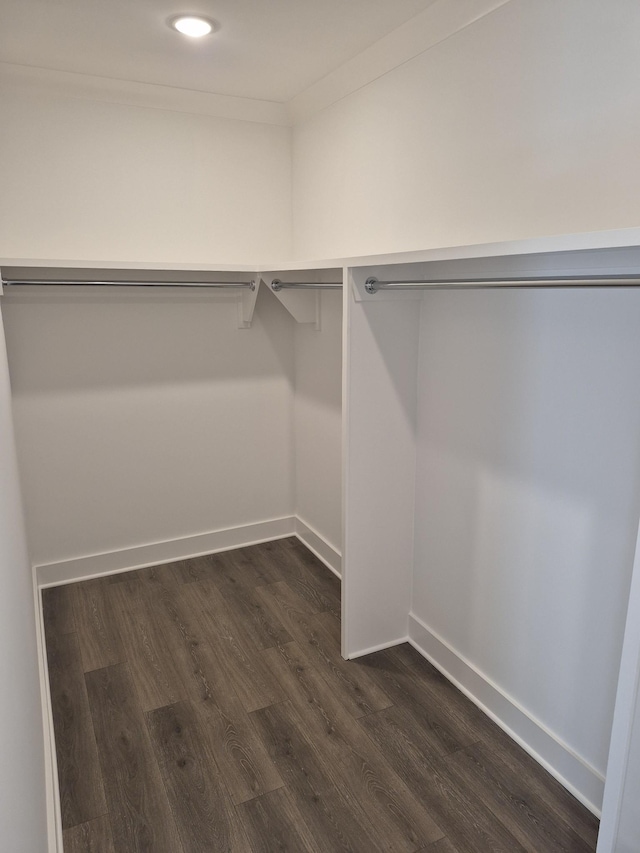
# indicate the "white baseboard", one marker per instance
pixel 126 559
pixel 572 771
pixel 319 546
pixel 379 648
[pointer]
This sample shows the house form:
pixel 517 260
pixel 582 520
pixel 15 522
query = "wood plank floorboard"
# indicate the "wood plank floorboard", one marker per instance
pixel 511 800
pixel 203 706
pixel 442 723
pixel 81 789
pixel 430 687
pixel 442 846
pixel 306 575
pixel 360 693
pixel 559 803
pixel 330 812
pixel 261 623
pixel 57 610
pixel 153 671
pixel 97 626
pixel 465 818
pixel 197 569
pixel 274 825
pixel 91 837
pixel 204 814
pixel 231 573
pixel 141 820
pixel 350 760
pixel 239 753
pixel 231 644
pixel 258 562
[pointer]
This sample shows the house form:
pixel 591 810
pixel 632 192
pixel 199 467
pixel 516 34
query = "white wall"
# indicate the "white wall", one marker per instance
pixel 89 180
pixel 528 495
pixel 144 419
pixel 23 825
pixel 318 420
pixel 524 123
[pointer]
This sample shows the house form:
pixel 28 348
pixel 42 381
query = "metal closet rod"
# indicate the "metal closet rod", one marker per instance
pixel 373 285
pixel 251 285
pixel 277 285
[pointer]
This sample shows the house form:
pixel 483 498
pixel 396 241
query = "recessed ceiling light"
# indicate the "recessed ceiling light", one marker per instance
pixel 194 26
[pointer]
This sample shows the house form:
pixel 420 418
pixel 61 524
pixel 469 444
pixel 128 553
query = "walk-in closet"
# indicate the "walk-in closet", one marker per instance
pixel 320 458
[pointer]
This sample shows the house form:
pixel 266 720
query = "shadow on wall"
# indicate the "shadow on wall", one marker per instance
pixel 528 493
pixel 318 355
pixel 66 344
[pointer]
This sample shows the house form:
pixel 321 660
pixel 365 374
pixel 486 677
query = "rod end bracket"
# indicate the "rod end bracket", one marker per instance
pixel 371 284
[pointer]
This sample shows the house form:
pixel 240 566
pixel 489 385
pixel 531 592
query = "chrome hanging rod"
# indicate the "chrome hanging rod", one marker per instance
pixel 373 285
pixel 251 285
pixel 277 285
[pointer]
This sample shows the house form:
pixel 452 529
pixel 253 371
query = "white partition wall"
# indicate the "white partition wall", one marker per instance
pixel 380 423
pixel 493 492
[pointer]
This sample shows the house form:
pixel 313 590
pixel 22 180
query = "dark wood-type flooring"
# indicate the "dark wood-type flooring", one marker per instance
pixel 204 706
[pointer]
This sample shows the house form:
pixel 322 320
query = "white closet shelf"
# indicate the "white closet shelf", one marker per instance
pixel 95 265
pixel 561 243
pixel 624 238
pixel 615 252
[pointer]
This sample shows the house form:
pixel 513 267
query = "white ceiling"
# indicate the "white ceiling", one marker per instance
pixel 268 50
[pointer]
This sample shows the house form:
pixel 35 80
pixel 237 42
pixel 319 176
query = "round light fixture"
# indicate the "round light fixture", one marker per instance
pixel 194 26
